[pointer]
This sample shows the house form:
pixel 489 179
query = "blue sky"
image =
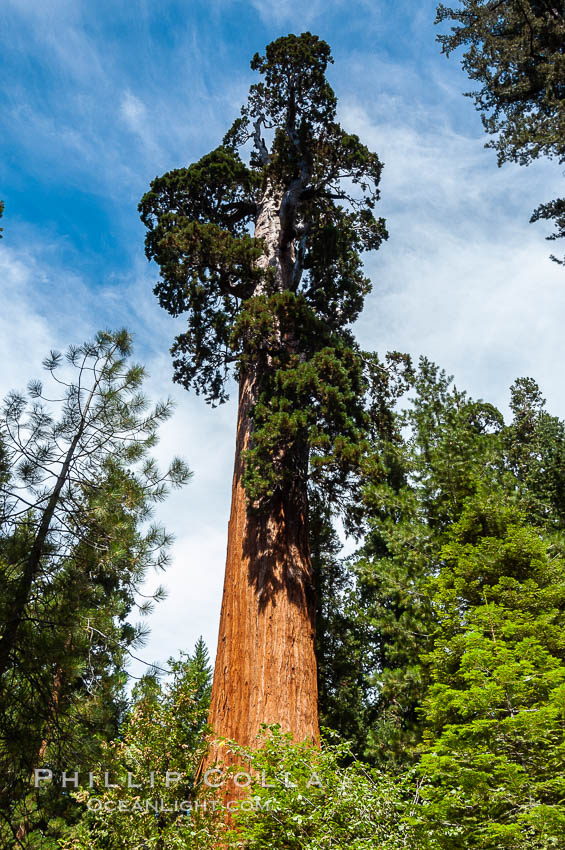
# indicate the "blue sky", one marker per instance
pixel 98 98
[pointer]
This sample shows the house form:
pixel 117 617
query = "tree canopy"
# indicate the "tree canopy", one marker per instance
pixel 514 50
pixel 278 303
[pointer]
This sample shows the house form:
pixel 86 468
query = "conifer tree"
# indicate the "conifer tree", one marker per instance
pixel 160 744
pixel 514 50
pixel 430 459
pixel 74 547
pixel 457 459
pixel 57 466
pixel 534 448
pixel 263 258
pixel 493 717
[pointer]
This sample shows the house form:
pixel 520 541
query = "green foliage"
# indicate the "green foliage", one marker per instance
pixel 379 616
pixel 515 52
pixel 553 211
pixel 310 799
pixel 425 462
pixel 440 647
pixel 312 400
pixel 75 546
pixel 454 447
pixel 294 68
pixel 163 732
pixel 347 629
pixel 534 446
pixel 454 619
pixel 392 615
pixel 279 314
pixel 494 715
pixel 341 647
pixel 197 219
pixel 297 796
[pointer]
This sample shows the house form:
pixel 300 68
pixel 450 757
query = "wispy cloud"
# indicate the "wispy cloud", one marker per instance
pixel 464 278
pixel 32 320
pixel 286 11
pixel 137 119
pixel 133 112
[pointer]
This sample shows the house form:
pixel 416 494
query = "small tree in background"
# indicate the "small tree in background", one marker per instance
pixel 164 732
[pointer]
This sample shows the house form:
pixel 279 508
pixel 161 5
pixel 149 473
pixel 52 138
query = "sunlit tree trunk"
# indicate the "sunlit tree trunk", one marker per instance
pixel 265 666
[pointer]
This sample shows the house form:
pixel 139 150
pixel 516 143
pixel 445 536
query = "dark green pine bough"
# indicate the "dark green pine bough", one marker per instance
pixel 515 50
pixel 259 246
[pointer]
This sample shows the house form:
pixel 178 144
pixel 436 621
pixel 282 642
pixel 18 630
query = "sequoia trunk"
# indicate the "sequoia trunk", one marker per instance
pixel 265 666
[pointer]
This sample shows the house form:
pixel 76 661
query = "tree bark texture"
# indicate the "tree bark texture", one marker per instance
pixel 265 668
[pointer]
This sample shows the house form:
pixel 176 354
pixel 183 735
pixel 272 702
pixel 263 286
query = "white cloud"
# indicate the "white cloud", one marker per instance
pixel 31 321
pixel 94 125
pixel 133 111
pixel 464 278
pixel 135 116
pixel 288 11
pixel 58 26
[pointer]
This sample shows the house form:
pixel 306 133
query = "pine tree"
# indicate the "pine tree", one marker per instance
pixel 273 309
pixel 57 466
pixel 74 549
pixel 460 604
pixel 340 645
pixel 430 459
pixel 347 635
pixel 515 52
pixel 534 447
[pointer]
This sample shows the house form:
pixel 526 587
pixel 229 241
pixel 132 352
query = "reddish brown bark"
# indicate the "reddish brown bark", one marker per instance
pixel 265 665
pixel 265 668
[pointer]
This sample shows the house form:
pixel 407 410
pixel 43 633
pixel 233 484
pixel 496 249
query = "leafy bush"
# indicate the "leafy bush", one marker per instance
pixel 301 797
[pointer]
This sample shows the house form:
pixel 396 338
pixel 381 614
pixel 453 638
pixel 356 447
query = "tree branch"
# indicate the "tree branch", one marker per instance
pixel 259 143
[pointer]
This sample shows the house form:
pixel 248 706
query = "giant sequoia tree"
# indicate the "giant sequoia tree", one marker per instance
pixel 259 246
